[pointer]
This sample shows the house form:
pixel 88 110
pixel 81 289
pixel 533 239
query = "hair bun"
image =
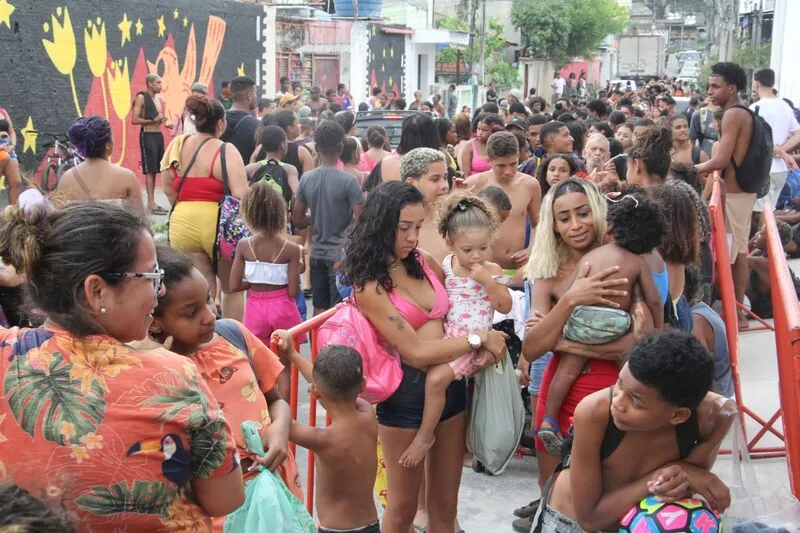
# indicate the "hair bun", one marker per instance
pixel 22 234
pixel 199 107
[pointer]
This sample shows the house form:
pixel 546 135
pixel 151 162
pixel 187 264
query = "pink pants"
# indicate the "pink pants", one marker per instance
pixel 267 311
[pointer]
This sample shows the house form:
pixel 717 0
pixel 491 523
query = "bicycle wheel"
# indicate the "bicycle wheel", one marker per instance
pixel 49 177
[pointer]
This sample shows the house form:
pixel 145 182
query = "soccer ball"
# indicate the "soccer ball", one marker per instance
pixel 683 516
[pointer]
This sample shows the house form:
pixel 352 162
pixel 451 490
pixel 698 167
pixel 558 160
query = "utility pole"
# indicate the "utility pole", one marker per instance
pixel 483 45
pixel 473 79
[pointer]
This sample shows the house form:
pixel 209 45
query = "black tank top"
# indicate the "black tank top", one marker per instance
pixel 686 433
pixel 292 157
pixel 150 109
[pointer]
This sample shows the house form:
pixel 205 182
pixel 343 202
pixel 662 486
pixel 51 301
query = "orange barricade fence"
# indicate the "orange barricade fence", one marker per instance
pixel 310 328
pixel 729 311
pixel 786 313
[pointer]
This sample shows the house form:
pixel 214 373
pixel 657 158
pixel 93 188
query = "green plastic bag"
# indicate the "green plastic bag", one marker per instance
pixel 498 416
pixel 269 507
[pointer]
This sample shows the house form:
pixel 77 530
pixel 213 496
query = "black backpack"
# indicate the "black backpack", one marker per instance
pixel 752 174
pixel 273 172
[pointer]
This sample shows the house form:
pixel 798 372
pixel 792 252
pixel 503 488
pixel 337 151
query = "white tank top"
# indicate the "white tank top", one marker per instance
pixel 261 273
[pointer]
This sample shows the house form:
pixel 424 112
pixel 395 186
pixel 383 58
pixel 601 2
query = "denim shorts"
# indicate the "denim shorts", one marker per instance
pixel 537 371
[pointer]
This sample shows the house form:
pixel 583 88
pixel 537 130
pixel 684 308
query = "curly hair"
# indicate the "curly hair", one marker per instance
pixel 675 364
pixel 338 372
pixel 206 112
pixel 418 162
pixel 370 245
pixel 732 73
pixel 654 151
pixel 681 243
pixel 636 223
pixel 462 211
pixel 496 197
pixel 21 512
pixel 686 173
pixel 264 209
pixel 376 136
pixel 177 266
pixel 541 171
pixel 502 144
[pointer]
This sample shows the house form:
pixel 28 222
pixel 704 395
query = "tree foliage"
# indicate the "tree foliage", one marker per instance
pixel 504 74
pixel 494 39
pixel 753 56
pixel 562 29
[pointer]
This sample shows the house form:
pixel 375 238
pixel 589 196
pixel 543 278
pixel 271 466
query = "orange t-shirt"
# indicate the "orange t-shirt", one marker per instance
pixel 230 377
pixel 114 433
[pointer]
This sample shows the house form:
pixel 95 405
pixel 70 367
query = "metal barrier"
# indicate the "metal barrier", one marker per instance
pixel 729 310
pixel 786 309
pixel 309 327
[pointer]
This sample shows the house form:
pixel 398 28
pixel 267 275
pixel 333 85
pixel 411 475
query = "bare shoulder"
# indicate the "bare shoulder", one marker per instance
pixel 479 181
pixel 716 413
pixel 594 408
pixel 435 265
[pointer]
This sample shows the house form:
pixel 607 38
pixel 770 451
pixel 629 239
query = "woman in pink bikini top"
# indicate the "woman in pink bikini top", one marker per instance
pixel 399 290
pixel 474 158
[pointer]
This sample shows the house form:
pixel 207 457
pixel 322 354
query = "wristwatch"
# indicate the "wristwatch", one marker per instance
pixel 474 341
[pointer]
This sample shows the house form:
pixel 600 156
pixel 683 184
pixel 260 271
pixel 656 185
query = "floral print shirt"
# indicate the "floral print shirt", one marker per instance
pixel 239 382
pixel 116 434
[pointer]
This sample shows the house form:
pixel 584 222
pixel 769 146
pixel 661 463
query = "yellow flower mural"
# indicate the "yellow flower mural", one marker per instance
pixel 62 50
pixel 94 40
pixel 119 85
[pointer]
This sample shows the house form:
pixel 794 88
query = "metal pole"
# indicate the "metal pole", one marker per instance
pixel 483 45
pixel 472 77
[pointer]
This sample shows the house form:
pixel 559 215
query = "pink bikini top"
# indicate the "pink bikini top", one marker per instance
pixel 415 315
pixel 479 164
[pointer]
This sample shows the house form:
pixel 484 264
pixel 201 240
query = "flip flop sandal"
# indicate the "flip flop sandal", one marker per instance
pixel 159 211
pixel 550 437
pixel 528 510
pixel 420 529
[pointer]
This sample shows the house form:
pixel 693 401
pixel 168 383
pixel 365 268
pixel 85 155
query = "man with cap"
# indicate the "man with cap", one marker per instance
pixel 289 101
pixel 148 112
pixel 316 102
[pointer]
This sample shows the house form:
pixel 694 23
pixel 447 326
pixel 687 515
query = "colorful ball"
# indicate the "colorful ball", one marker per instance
pixel 683 516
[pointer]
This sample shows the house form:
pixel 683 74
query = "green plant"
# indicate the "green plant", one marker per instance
pixel 753 56
pixel 560 30
pixel 702 79
pixel 494 41
pixel 504 74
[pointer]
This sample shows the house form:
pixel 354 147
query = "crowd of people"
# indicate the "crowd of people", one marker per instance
pixel 137 363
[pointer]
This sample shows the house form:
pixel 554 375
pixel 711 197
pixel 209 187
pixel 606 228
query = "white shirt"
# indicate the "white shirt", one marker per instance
pixel 559 84
pixel 781 119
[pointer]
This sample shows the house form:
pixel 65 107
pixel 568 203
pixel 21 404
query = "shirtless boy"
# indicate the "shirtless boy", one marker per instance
pixel 148 112
pixel 426 169
pixel 657 431
pixel 724 84
pixel 347 449
pixel 509 250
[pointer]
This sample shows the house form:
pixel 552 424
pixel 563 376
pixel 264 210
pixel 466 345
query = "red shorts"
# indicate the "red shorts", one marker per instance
pixel 602 374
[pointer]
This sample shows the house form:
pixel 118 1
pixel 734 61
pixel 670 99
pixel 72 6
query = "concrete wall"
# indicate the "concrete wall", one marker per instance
pixel 66 58
pixel 785 44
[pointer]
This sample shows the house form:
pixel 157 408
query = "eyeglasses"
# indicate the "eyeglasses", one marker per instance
pixel 157 276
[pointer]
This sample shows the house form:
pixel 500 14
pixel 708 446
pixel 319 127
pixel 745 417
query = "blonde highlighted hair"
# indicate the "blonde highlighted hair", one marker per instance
pixel 549 252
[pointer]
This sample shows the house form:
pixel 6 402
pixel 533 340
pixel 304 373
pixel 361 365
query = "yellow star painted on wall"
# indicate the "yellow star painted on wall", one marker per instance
pixel 240 70
pixel 390 81
pixel 176 14
pixel 185 22
pixel 5 13
pixel 125 28
pixel 391 52
pixel 384 53
pixel 139 26
pixel 161 26
pixel 29 135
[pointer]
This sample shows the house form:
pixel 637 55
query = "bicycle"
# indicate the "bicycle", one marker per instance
pixel 61 156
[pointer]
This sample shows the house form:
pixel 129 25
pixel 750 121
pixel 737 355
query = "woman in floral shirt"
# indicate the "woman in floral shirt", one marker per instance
pixel 129 441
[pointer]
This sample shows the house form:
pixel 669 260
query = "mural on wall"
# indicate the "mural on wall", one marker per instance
pixel 386 65
pixel 80 58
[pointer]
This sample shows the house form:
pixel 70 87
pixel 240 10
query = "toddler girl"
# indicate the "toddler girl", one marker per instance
pixel 467 223
pixel 636 226
pixel 268 265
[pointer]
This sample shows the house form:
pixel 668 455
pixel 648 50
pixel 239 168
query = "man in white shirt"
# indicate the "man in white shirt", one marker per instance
pixel 785 135
pixel 558 86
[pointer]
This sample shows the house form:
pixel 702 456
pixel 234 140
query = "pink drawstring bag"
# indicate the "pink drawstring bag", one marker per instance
pixel 348 327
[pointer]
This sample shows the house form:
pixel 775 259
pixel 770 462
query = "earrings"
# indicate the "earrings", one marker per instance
pixel 103 310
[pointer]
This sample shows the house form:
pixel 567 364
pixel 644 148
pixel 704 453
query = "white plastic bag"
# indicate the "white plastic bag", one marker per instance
pixel 750 512
pixel 498 416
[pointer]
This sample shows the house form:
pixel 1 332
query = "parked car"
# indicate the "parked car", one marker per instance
pixel 392 122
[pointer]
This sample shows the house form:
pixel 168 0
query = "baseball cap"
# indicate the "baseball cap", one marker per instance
pixel 518 123
pixel 287 99
pixel 516 93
